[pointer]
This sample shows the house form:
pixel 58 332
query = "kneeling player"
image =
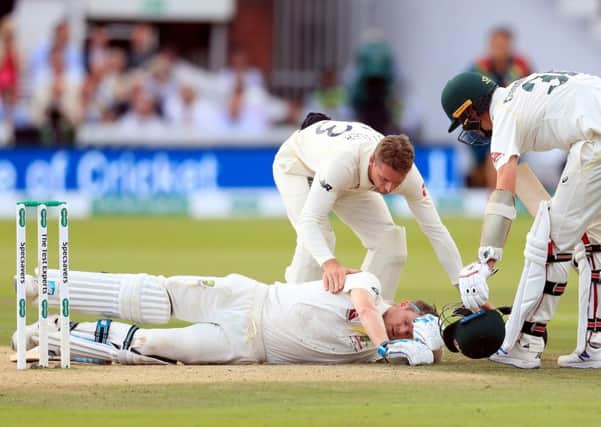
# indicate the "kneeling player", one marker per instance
pixel 239 320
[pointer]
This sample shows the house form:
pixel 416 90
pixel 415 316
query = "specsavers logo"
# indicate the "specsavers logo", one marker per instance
pixel 43 217
pixel 22 307
pixel 44 309
pixel 65 307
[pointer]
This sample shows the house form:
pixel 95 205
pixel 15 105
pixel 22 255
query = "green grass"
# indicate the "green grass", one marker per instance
pixel 308 405
pixel 261 249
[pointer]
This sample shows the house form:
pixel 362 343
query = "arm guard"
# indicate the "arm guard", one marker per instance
pixel 500 212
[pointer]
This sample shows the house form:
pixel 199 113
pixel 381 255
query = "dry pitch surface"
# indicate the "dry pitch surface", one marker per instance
pixel 95 375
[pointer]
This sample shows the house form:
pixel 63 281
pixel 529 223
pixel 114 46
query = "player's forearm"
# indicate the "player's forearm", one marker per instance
pixel 373 324
pixel 507 175
pixel 500 213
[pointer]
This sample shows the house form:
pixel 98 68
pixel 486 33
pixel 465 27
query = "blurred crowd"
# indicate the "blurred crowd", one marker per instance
pixel 143 88
pixel 140 88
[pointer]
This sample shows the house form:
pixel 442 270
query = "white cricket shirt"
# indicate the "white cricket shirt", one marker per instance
pixel 544 111
pixel 304 322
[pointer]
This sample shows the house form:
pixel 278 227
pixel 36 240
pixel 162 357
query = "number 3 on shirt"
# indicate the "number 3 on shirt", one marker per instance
pixel 557 77
pixel 330 129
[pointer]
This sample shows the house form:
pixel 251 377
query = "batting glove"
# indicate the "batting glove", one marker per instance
pixel 406 352
pixel 472 285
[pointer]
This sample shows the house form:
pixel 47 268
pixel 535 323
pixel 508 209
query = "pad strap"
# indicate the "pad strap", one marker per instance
pixel 535 329
pixel 563 257
pixel 596 277
pixel 589 248
pixel 592 248
pixel 554 288
pixel 101 334
pixel 594 324
pixel 129 337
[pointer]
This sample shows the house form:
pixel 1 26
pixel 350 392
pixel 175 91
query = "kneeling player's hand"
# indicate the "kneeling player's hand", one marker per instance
pixel 472 285
pixel 406 352
pixel 334 275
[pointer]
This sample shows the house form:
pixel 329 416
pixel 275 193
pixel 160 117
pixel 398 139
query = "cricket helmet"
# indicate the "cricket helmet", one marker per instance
pixel 462 92
pixel 475 335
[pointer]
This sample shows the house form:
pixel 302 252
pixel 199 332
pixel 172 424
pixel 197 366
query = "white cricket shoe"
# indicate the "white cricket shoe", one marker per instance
pixel 517 357
pixel 590 358
pixel 31 333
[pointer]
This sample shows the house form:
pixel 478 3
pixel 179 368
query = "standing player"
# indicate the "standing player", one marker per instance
pixel 239 320
pixel 540 112
pixel 346 167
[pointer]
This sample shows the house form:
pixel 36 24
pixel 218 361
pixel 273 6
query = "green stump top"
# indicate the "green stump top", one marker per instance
pixel 34 203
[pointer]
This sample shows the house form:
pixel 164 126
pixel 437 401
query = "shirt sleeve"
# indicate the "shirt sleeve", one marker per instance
pixel 334 176
pixel 505 138
pixel 421 205
pixel 363 280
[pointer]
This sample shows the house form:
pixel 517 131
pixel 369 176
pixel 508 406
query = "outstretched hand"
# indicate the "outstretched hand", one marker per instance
pixel 334 275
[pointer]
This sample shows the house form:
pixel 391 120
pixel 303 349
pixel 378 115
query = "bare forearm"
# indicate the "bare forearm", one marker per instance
pixel 374 325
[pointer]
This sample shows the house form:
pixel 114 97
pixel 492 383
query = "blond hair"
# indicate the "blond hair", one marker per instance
pixel 395 151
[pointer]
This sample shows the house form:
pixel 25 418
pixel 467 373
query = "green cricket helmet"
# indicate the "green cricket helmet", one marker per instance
pixel 475 335
pixel 463 91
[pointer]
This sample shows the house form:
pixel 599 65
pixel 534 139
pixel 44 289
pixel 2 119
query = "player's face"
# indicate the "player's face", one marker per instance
pixel 384 177
pixel 485 122
pixel 399 322
pixel 477 130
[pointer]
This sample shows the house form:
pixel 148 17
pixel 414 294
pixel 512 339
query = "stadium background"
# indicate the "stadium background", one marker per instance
pixel 105 161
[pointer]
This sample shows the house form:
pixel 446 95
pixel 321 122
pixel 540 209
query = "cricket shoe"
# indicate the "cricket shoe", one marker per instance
pixel 31 333
pixel 590 358
pixel 517 357
pixel 31 286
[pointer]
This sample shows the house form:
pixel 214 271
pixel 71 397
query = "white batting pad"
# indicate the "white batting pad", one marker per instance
pixel 136 297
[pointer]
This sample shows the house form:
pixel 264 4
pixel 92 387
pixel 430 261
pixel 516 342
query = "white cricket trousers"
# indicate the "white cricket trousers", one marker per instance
pixel 227 313
pixel 576 205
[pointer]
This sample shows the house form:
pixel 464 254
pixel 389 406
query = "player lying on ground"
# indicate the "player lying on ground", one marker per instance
pixel 345 168
pixel 540 112
pixel 239 320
